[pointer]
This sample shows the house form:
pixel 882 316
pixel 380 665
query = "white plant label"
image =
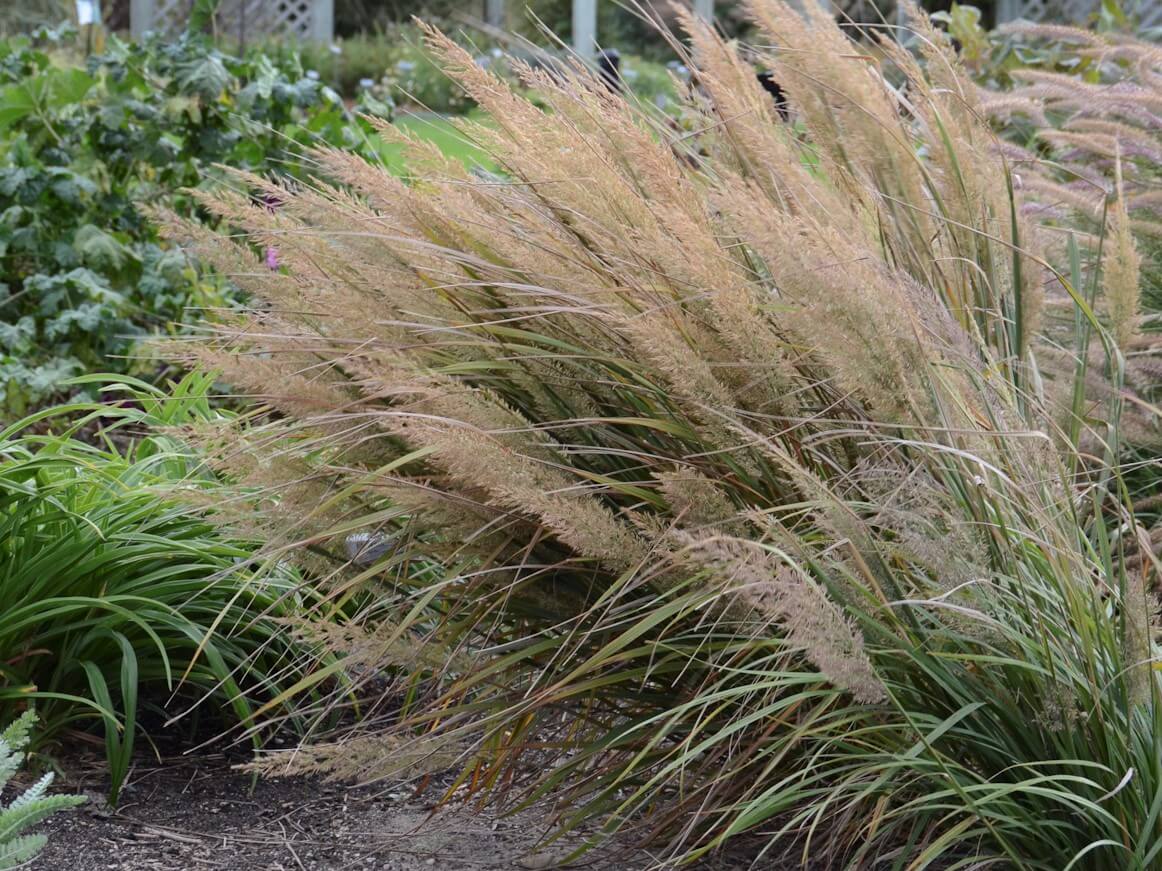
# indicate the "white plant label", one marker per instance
pixel 86 12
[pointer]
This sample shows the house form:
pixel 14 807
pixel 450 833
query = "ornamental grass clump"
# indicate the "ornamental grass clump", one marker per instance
pixel 729 484
pixel 1086 146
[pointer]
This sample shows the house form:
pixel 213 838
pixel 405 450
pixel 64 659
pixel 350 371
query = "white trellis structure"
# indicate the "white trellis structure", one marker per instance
pixel 248 19
pixel 585 40
pixel 1148 12
pixel 585 37
pixel 1079 12
pixel 314 19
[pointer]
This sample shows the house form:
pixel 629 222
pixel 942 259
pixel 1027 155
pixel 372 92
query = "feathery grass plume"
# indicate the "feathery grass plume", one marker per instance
pixel 357 755
pixel 699 504
pixel 920 521
pixel 783 594
pixel 1093 169
pixel 1121 268
pixel 362 647
pixel 1139 616
pixel 627 410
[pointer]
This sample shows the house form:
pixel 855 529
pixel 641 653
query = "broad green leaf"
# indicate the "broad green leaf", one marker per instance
pixel 69 86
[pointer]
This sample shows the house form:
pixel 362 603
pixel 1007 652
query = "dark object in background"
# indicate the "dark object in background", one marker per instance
pixel 609 68
pixel 115 16
pixel 271 202
pixel 767 80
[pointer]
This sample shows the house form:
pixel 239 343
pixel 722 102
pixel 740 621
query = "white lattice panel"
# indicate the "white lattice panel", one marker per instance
pixel 246 19
pixel 1148 12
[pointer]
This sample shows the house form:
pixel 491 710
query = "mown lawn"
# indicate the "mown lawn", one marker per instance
pixel 440 130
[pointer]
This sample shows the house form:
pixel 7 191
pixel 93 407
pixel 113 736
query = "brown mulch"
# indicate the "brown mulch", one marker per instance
pixel 197 812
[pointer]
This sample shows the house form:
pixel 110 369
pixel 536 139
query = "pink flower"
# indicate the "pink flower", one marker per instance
pixel 272 259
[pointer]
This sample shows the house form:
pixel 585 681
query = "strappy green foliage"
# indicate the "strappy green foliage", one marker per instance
pixel 117 595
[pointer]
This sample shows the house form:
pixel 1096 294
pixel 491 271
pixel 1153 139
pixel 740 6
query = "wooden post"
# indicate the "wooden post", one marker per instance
pixel 494 13
pixel 585 28
pixel 323 20
pixel 1008 10
pixel 140 17
pixel 704 9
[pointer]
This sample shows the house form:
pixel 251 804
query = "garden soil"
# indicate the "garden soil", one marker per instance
pixel 198 812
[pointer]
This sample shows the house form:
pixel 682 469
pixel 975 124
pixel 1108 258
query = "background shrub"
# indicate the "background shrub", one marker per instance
pixel 393 61
pixel 82 150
